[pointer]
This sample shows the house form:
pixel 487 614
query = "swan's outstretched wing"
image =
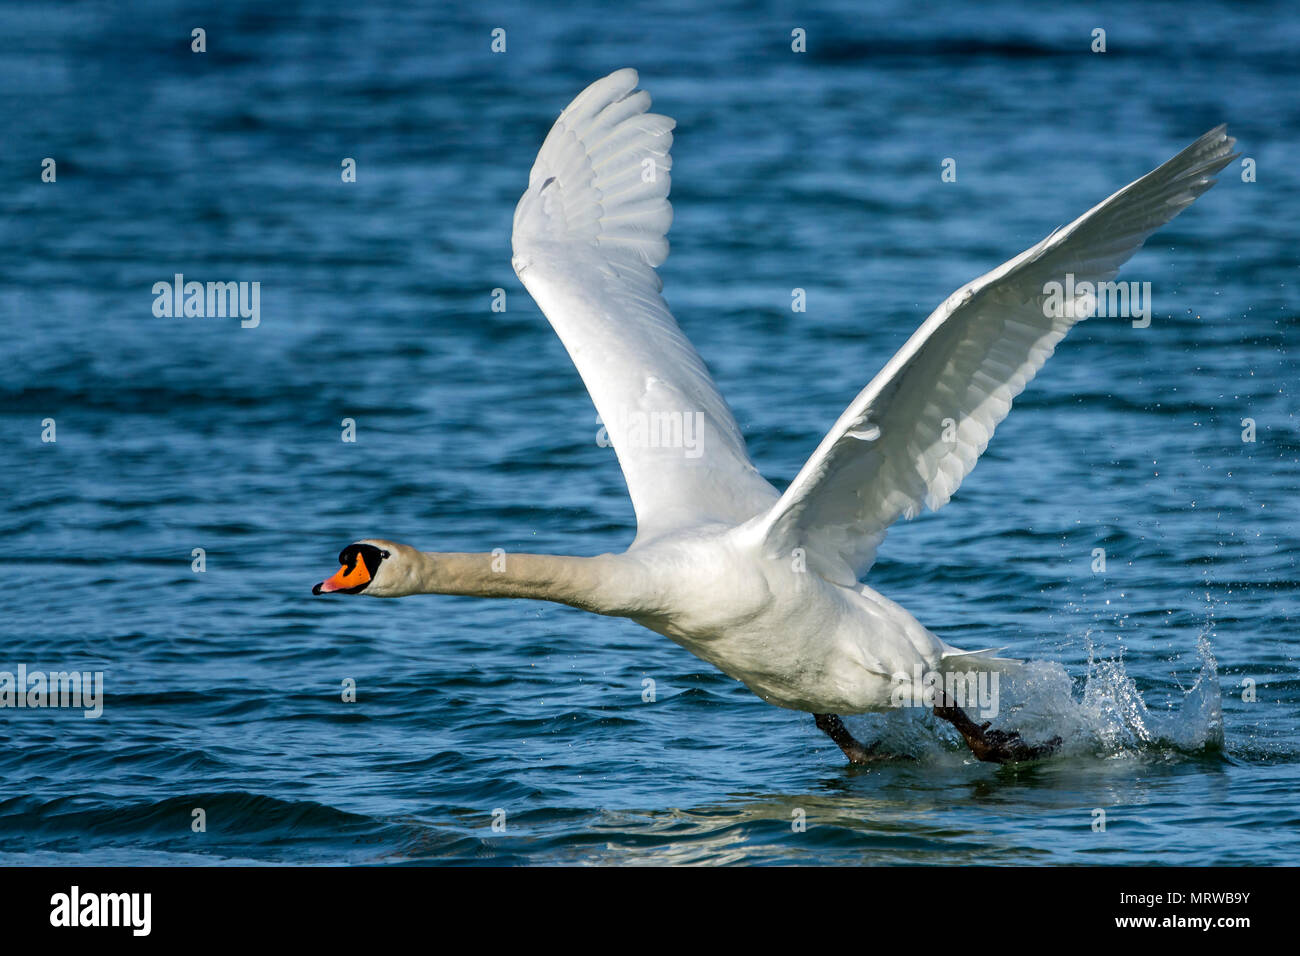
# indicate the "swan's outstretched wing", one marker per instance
pixel 916 431
pixel 588 233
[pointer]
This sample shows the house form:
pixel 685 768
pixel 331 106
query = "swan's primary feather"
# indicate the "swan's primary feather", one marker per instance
pixel 887 457
pixel 588 233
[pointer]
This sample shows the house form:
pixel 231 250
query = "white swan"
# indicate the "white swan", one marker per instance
pixel 765 585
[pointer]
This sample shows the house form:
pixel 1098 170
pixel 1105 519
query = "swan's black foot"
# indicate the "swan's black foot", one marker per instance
pixel 995 746
pixel 834 728
pixel 857 752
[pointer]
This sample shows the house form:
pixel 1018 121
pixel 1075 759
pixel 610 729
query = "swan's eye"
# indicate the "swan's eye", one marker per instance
pixel 384 554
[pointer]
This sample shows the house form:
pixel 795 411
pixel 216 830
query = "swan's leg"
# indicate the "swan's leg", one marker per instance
pixel 834 728
pixel 993 745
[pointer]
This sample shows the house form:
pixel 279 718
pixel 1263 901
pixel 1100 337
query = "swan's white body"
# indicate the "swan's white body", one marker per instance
pixel 792 637
pixel 765 585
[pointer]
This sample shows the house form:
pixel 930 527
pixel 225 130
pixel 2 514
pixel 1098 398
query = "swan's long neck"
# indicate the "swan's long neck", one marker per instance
pixel 606 584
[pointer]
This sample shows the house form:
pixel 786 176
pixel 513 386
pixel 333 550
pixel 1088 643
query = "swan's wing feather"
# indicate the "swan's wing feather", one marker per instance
pixel 588 233
pixel 914 433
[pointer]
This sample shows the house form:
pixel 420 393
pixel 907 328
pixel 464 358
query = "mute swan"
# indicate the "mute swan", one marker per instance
pixel 763 584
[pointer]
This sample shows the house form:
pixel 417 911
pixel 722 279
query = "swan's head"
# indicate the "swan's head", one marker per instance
pixel 374 567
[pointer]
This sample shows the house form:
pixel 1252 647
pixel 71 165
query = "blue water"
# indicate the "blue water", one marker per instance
pixel 819 171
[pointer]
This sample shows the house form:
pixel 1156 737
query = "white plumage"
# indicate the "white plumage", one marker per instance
pixel 966 363
pixel 588 232
pixel 766 586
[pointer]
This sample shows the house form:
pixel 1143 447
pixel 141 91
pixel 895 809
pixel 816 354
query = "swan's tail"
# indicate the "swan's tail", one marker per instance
pixel 954 660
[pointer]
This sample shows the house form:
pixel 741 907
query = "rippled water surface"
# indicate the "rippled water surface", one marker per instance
pixel 818 171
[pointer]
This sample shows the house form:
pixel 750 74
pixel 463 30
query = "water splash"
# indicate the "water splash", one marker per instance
pixel 1103 713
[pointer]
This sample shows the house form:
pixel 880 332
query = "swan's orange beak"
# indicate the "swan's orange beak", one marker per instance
pixel 345 579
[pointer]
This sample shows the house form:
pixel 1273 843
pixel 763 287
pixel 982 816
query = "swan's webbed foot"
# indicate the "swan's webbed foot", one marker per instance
pixel 834 728
pixel 996 746
pixel 856 751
